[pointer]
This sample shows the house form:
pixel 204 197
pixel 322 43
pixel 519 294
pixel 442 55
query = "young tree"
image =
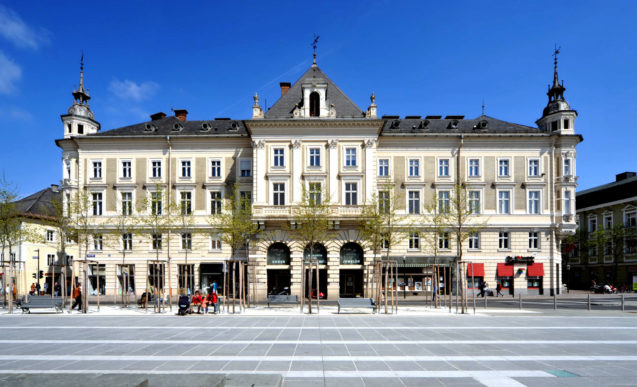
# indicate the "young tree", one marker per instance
pixel 184 221
pixel 83 211
pixel 435 224
pixel 123 228
pixel 10 230
pixel 62 219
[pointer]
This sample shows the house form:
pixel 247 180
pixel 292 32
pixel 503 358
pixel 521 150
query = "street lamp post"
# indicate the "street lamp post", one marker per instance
pixel 38 273
pixel 404 278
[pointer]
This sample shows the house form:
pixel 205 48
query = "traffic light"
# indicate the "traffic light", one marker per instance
pixel 33 275
pixel 41 274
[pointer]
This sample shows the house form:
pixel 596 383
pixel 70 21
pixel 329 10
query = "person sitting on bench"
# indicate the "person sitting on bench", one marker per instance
pixel 197 300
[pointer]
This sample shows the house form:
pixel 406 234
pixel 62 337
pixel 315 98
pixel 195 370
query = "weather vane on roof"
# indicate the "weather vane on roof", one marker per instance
pixel 314 43
pixel 556 53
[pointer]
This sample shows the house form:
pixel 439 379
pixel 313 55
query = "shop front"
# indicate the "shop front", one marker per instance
pixel 351 270
pixel 535 278
pixel 504 277
pixel 278 272
pixel 317 254
pixel 475 275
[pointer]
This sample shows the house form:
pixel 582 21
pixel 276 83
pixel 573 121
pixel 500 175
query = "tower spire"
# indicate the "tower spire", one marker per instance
pixel 556 91
pixel 314 43
pixel 81 95
pixel 556 52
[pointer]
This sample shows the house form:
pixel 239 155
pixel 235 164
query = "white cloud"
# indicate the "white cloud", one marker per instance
pixel 10 73
pixel 133 91
pixel 15 30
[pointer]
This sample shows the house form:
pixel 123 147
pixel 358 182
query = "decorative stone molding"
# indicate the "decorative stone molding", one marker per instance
pixel 370 143
pixel 295 144
pixel 332 144
pixel 260 144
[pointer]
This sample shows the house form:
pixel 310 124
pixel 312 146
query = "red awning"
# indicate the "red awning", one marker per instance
pixel 535 270
pixel 475 269
pixel 505 270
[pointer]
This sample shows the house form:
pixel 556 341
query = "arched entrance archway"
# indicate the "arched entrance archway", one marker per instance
pixel 278 261
pixel 351 272
pixel 319 253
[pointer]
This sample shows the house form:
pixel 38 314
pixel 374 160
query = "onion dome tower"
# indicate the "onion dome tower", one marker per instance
pixel 80 120
pixel 557 116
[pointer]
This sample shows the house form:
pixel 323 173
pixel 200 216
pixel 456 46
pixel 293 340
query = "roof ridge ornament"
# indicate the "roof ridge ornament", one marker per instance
pixel 314 44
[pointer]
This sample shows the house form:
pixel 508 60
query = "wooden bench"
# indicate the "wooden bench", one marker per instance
pixel 356 303
pixel 41 302
pixel 282 299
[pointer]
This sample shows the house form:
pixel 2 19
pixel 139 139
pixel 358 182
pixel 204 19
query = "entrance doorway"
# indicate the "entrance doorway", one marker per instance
pixel 351 283
pixel 279 281
pixel 210 273
pixel 322 283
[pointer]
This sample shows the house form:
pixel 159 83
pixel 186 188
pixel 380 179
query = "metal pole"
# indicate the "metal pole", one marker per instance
pixel 38 275
pixel 588 302
pixel 554 301
pixel 485 302
pixel 520 300
pixel 622 302
pixel 473 289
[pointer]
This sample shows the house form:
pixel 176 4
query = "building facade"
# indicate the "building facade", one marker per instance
pixel 604 249
pixel 521 180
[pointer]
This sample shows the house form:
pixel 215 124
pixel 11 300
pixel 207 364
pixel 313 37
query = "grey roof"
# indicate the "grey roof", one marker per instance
pixel 607 193
pixel 481 124
pixel 344 106
pixel 39 204
pixel 171 126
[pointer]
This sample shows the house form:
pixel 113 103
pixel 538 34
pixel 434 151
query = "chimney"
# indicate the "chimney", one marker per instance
pixel 624 176
pixel 285 86
pixel 55 188
pixel 181 114
pixel 157 116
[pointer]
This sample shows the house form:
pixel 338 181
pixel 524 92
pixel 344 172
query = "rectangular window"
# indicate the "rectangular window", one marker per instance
pixel 567 202
pixel 186 203
pixel 351 194
pixel 127 241
pixel 503 168
pixel 278 194
pixel 474 241
pixel 127 203
pixel 350 157
pixel 245 167
pixel 443 241
pixel 156 203
pixel 215 242
pixel 215 202
pixel 534 240
pixel 414 202
pixel 553 126
pixel 630 219
pixel 80 129
pixel 384 244
pixel 314 193
pixel 503 240
pixel 443 167
pixel 567 167
pixel 245 199
pixel 156 241
pixel 474 167
pixel 50 235
pixel 383 167
pixel 215 168
pixel 97 169
pixel 504 202
pixel 444 202
pixel 97 203
pixel 567 123
pixel 186 241
pixel 534 202
pixel 50 259
pixel 279 158
pixel 534 168
pixel 127 169
pixel 185 168
pixel 98 242
pixel 156 169
pixel 414 241
pixel 414 168
pixel 608 221
pixel 384 205
pixel 592 224
pixel 474 202
pixel 315 157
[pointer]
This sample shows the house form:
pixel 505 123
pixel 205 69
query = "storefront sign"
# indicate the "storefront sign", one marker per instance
pixel 278 255
pixel 518 259
pixel 351 254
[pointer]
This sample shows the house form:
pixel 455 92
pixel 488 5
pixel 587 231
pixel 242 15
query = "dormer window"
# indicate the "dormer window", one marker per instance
pixel 553 126
pixel 315 104
pixel 567 123
pixel 80 129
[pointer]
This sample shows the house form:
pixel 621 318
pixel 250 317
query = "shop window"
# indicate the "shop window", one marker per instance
pixel 278 254
pixel 351 254
pixel 97 273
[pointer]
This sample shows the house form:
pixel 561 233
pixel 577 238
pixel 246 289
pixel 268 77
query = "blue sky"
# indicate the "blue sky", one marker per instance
pixel 418 57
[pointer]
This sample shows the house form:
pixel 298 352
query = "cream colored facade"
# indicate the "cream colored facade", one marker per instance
pixel 525 179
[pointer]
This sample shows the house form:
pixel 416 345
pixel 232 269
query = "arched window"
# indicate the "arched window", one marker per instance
pixel 315 104
pixel 278 254
pixel 351 254
pixel 318 252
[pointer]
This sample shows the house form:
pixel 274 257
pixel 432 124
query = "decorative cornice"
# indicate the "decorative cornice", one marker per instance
pixel 315 123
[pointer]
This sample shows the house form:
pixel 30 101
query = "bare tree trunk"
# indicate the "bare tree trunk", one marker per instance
pixel 318 289
pixel 309 293
pixel 302 295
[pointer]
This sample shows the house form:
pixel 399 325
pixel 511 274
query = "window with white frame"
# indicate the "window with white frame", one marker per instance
pixel 186 241
pixel 608 221
pixel 315 157
pixel 504 202
pixel 278 157
pixel 534 168
pixel 97 169
pixel 474 241
pixel 185 204
pixel 504 242
pixel 384 202
pixel 383 167
pixel 127 203
pixel 127 169
pixel 414 168
pixel 97 203
pixel 245 167
pixel 186 169
pixel 156 206
pixel 155 167
pixel 534 240
pixel 414 202
pixel 50 259
pixel 567 202
pixel 384 244
pixel 592 224
pixel 534 202
pixel 278 194
pixel 443 167
pixel 156 241
pixel 444 202
pixel 414 241
pixel 351 194
pixel 127 241
pixel 245 198
pixel 503 168
pixel 350 157
pixel 474 167
pixel 443 241
pixel 314 193
pixel 215 242
pixel 630 218
pixel 50 236
pixel 215 168
pixel 473 198
pixel 98 242
pixel 566 167
pixel 67 164
pixel 215 202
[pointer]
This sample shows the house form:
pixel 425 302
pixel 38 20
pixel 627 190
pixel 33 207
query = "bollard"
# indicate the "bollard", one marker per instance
pixel 485 302
pixel 554 301
pixel 589 302
pixel 622 302
pixel 520 300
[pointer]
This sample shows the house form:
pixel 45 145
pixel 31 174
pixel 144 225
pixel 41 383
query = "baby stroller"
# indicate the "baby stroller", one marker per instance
pixel 184 305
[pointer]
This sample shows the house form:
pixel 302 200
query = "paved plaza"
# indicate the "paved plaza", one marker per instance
pixel 429 348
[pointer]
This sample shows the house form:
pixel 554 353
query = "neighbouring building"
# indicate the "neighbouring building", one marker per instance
pixel 521 181
pixel 604 249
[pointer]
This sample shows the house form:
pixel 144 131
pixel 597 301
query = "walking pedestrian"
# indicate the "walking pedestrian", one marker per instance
pixel 57 289
pixel 481 288
pixel 77 298
pixel 215 301
pixel 498 288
